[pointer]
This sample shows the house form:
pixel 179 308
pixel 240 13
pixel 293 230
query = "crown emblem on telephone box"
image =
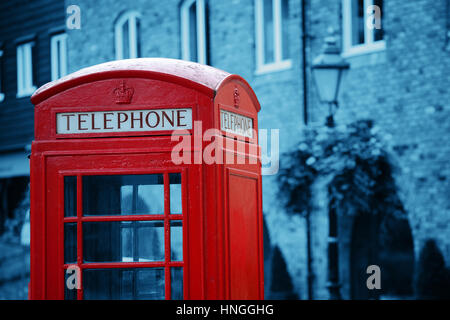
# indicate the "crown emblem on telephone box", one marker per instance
pixel 123 94
pixel 236 98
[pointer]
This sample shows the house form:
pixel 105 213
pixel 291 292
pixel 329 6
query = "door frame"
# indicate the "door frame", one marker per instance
pixel 54 239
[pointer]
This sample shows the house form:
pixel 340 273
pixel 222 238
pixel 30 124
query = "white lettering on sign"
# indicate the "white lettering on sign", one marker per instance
pixel 236 124
pixel 123 121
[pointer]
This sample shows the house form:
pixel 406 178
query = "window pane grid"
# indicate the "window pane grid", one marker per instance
pixel 193 31
pixel 172 269
pixel 127 35
pixel 58 55
pixel 272 47
pixel 358 35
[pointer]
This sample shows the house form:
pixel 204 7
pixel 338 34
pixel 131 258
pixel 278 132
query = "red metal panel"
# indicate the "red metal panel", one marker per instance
pixel 243 253
pixel 37 232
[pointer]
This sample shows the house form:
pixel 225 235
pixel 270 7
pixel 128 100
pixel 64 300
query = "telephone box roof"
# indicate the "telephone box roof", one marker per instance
pixel 198 76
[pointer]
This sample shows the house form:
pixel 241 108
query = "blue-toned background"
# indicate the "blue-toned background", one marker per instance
pixel 382 174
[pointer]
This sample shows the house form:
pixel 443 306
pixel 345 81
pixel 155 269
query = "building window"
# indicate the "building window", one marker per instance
pixel 272 53
pixel 2 95
pixel 126 30
pixel 193 31
pixel 25 84
pixel 58 51
pixel 360 32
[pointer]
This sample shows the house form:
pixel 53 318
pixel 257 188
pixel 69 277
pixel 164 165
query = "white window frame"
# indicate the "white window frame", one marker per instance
pixel 25 84
pixel 201 30
pixel 2 95
pixel 278 64
pixel 58 59
pixel 131 17
pixel 369 45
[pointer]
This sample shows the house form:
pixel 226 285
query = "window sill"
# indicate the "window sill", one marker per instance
pixel 26 93
pixel 364 49
pixel 274 67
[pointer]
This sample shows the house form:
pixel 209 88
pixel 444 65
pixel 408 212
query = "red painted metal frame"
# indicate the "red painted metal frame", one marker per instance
pixel 167 217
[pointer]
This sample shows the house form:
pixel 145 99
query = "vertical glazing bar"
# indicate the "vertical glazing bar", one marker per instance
pixel 167 233
pixel 80 234
pixel 61 249
pixel 134 225
pixel 184 232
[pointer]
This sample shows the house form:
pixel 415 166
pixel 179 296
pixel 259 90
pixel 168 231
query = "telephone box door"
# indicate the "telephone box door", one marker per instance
pixel 117 228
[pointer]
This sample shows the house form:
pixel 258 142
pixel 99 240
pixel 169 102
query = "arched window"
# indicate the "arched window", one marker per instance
pixel 193 31
pixel 126 31
pixel 272 43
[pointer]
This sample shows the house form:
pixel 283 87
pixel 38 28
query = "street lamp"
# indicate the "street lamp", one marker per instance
pixel 327 71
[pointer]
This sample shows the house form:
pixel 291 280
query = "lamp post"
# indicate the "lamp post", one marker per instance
pixel 327 70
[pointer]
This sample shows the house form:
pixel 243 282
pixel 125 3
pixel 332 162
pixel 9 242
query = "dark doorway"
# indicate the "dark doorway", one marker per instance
pixel 281 287
pixel 359 257
pixel 388 244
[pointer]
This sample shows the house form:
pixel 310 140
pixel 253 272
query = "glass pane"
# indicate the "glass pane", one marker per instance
pixel 268 32
pixel 176 240
pixel 101 284
pixel 58 58
pixel 69 294
pixel 151 241
pixel 175 193
pixel 138 37
pixel 150 284
pixel 123 194
pixel 70 196
pixel 126 194
pixel 123 241
pixel 378 33
pixel 285 28
pixel 70 242
pixel 193 32
pixel 357 22
pixel 150 199
pixel 127 282
pixel 126 40
pixel 176 284
pixel 327 81
pixel 126 235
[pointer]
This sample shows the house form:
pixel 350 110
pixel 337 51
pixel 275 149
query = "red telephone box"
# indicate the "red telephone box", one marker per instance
pixel 125 200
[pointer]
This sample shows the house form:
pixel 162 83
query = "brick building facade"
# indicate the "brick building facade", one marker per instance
pixel 401 83
pixel 404 88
